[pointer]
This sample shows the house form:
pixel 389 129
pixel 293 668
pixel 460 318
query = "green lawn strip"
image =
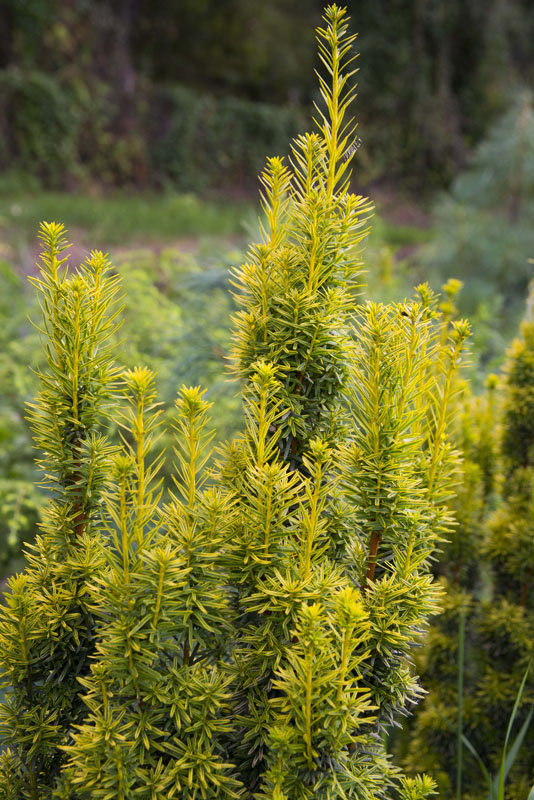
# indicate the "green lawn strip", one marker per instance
pixel 121 218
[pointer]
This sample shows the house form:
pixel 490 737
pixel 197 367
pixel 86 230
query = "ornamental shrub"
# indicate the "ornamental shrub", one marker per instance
pixel 488 571
pixel 250 634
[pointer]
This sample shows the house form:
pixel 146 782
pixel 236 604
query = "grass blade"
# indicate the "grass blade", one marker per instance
pixel 466 743
pixel 518 741
pixel 459 719
pixel 481 764
pixel 507 761
pixel 496 785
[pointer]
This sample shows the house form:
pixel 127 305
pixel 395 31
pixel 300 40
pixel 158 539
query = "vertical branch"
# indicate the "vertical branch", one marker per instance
pixel 138 422
pixel 372 558
pixel 332 140
pixel 461 331
pixel 346 649
pixel 308 704
pixel 314 499
pixel 79 516
pixel 311 521
pixel 377 341
pixel 193 444
pixel 125 539
pixel 140 462
pixel 77 313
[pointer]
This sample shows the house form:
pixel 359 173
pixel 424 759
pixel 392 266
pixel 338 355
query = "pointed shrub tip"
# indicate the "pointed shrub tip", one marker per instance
pixel 452 287
pixel 140 381
pixel 492 382
pixel 190 400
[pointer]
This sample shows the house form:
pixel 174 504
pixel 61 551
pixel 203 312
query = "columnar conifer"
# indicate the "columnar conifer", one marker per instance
pixel 47 629
pixel 351 490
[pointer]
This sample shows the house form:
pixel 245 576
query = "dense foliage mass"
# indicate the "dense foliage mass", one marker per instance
pixel 250 634
pixel 112 89
pixel 485 632
pixel 240 621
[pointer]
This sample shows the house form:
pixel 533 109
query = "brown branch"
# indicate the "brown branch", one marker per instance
pixel 79 520
pixel 371 560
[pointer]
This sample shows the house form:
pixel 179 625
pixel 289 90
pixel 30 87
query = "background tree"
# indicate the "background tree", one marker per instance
pixel 484 222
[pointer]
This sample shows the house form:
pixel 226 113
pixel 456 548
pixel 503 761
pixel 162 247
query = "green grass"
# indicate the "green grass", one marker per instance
pixel 399 235
pixel 140 218
pixel 119 218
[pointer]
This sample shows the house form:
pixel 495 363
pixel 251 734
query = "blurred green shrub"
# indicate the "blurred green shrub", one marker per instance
pixel 207 141
pixel 20 502
pixel 40 125
pixel 484 230
pixel 65 133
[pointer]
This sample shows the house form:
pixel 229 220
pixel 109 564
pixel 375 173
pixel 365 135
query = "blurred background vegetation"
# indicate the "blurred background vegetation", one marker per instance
pixel 192 94
pixel 143 125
